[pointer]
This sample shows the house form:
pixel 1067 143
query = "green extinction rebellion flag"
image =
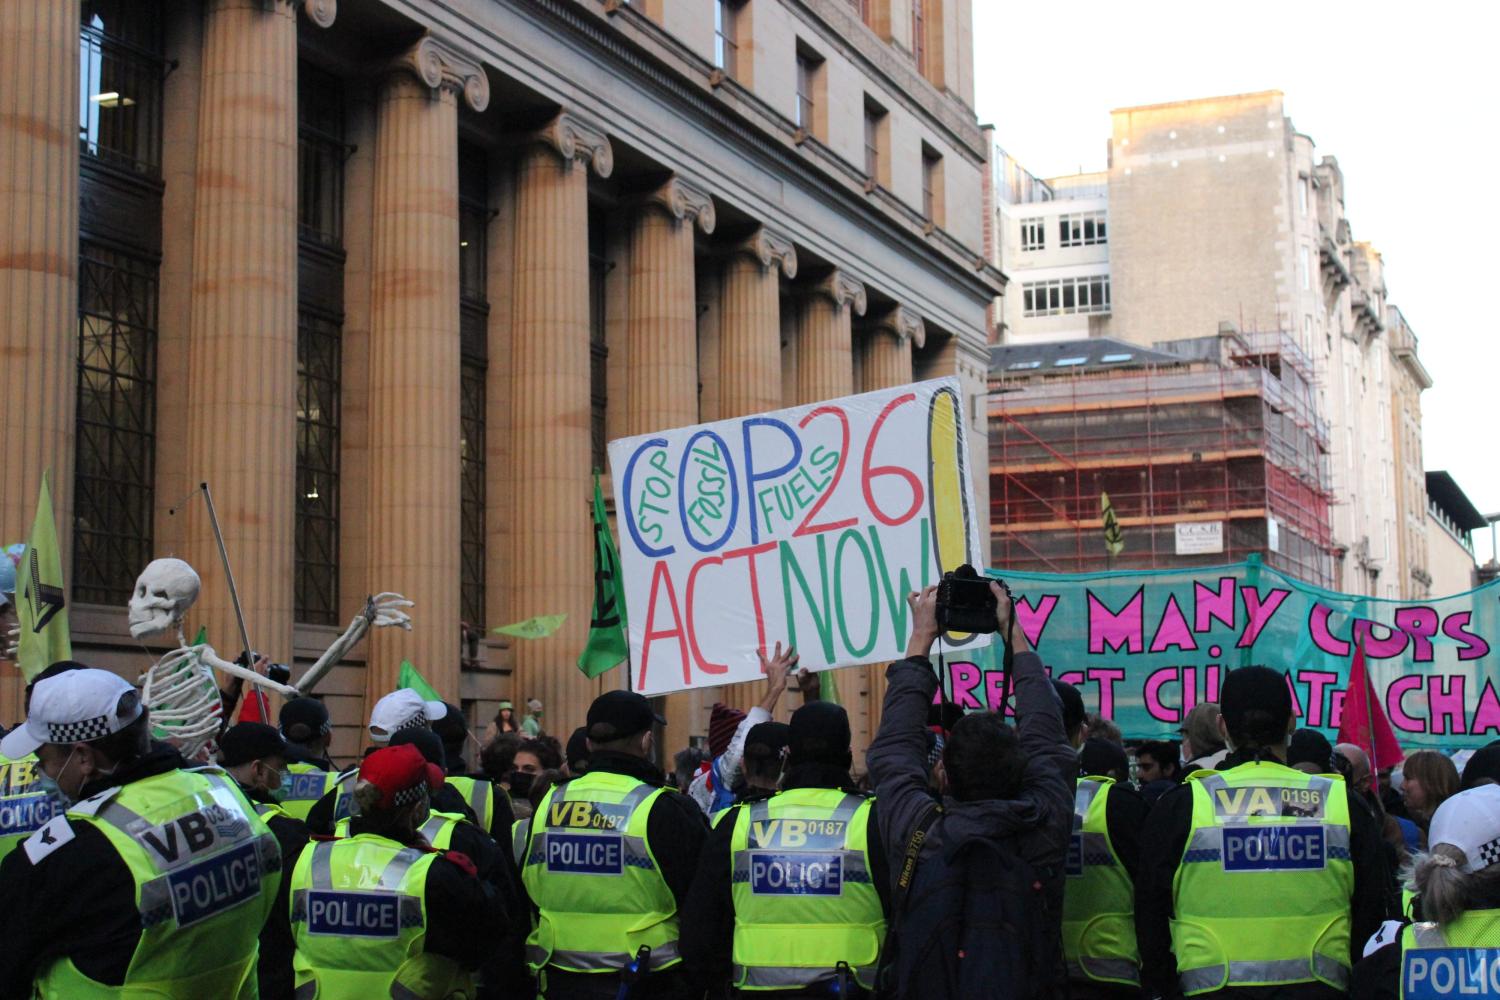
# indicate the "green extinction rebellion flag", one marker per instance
pixel 607 647
pixel 411 678
pixel 41 595
pixel 532 628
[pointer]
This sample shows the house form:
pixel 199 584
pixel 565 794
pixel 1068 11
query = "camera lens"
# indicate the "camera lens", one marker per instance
pixel 279 672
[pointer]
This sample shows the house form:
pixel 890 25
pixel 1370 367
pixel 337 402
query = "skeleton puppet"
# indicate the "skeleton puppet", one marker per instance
pixel 180 689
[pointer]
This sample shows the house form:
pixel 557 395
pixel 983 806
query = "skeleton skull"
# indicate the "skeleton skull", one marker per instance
pixel 163 593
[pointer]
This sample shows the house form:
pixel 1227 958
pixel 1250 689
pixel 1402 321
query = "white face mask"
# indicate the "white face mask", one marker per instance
pixel 50 784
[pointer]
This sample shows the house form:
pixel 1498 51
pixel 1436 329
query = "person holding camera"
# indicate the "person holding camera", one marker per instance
pixel 976 903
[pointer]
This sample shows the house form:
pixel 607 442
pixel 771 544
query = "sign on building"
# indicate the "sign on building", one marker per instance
pixel 1196 538
pixel 807 525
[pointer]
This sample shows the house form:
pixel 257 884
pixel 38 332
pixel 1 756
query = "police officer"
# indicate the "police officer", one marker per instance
pixel 1457 953
pixel 1098 929
pixel 791 891
pixel 382 913
pixel 403 709
pixel 254 755
pixel 25 806
pixel 155 882
pixel 1257 879
pixel 608 864
pixel 310 773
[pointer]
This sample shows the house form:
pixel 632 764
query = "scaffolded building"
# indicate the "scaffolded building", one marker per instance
pixel 1209 450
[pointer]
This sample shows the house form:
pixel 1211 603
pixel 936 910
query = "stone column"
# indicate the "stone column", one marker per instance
pixel 825 337
pixel 662 342
pixel 750 323
pixel 886 347
pixel 38 271
pixel 825 370
pixel 242 370
pixel 549 567
pixel 414 359
pixel 750 350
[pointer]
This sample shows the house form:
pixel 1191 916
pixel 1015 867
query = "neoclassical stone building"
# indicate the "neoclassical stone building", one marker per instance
pixel 388 274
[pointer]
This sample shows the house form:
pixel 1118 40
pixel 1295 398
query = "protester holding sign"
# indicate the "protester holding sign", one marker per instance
pixel 157 879
pixel 1261 877
pixel 977 906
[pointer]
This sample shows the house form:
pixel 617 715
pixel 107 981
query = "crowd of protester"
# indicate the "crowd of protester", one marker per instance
pixel 970 856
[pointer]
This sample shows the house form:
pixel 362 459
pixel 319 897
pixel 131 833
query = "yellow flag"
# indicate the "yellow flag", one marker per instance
pixel 42 596
pixel 1114 538
pixel 533 628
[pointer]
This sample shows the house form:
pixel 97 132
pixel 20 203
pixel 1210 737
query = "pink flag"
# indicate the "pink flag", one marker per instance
pixel 1364 723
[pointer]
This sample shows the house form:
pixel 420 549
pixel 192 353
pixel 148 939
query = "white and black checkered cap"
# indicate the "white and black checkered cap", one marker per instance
pixel 403 709
pixel 74 707
pixel 1470 821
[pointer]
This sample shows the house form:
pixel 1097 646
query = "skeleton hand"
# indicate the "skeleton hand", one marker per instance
pixel 384 610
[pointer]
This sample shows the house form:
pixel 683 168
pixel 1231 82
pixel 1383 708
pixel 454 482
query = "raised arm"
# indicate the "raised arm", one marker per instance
pixel 898 757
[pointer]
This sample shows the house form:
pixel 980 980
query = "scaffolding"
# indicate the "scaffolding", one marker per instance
pixel 1226 429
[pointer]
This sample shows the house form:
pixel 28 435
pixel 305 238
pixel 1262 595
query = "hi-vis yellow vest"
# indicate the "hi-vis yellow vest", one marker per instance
pixel 480 795
pixel 1098 927
pixel 24 807
pixel 438 830
pixel 1262 892
pixel 594 879
pixel 304 786
pixel 1458 960
pixel 804 896
pixel 359 919
pixel 206 871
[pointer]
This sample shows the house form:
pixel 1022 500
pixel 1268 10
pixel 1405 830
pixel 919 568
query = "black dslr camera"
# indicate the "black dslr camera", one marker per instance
pixel 965 603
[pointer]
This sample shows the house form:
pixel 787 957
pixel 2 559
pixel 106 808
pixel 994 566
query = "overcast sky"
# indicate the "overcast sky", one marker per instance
pixel 1401 94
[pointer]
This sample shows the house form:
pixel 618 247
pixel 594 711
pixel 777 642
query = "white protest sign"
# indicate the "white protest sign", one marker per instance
pixel 807 525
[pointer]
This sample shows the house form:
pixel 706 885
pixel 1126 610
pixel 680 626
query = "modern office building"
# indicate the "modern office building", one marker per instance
pixel 387 275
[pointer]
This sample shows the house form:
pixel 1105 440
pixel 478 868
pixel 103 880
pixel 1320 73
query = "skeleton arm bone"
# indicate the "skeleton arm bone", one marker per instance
pixel 382 611
pixel 207 655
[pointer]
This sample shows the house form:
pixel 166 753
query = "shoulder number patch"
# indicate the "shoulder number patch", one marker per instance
pixel 49 838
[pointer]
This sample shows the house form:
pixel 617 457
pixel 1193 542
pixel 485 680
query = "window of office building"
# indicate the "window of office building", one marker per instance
pixel 1085 294
pixel 319 358
pixel 120 72
pixel 1082 229
pixel 599 268
pixel 808 66
pixel 320 273
pixel 116 423
pixel 726 36
pixel 1033 234
pixel 875 138
pixel 320 157
pixel 932 185
pixel 473 252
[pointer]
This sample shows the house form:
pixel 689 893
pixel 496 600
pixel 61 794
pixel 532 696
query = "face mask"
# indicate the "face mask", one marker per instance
pixel 520 783
pixel 279 791
pixel 49 784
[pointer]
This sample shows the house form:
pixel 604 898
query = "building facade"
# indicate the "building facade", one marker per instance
pixel 1451 522
pixel 1219 211
pixel 387 276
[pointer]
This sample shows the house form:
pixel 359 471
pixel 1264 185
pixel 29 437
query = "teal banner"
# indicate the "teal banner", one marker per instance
pixel 1145 647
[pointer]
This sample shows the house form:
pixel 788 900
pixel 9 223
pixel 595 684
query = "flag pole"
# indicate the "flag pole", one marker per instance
pixel 234 592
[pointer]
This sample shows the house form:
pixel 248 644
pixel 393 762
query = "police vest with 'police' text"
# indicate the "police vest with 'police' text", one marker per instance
pixel 1455 961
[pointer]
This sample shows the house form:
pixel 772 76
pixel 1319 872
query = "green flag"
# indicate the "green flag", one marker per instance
pixel 533 628
pixel 42 596
pixel 828 688
pixel 1114 538
pixel 607 647
pixel 410 678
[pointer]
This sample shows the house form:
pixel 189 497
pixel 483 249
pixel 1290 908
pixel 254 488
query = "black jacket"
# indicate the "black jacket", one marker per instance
pixel 320 818
pixel 1035 826
pixel 1166 834
pixel 274 967
pixel 78 902
pixel 707 936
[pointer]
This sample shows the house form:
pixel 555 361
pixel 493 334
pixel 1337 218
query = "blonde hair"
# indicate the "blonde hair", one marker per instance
pixel 1447 891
